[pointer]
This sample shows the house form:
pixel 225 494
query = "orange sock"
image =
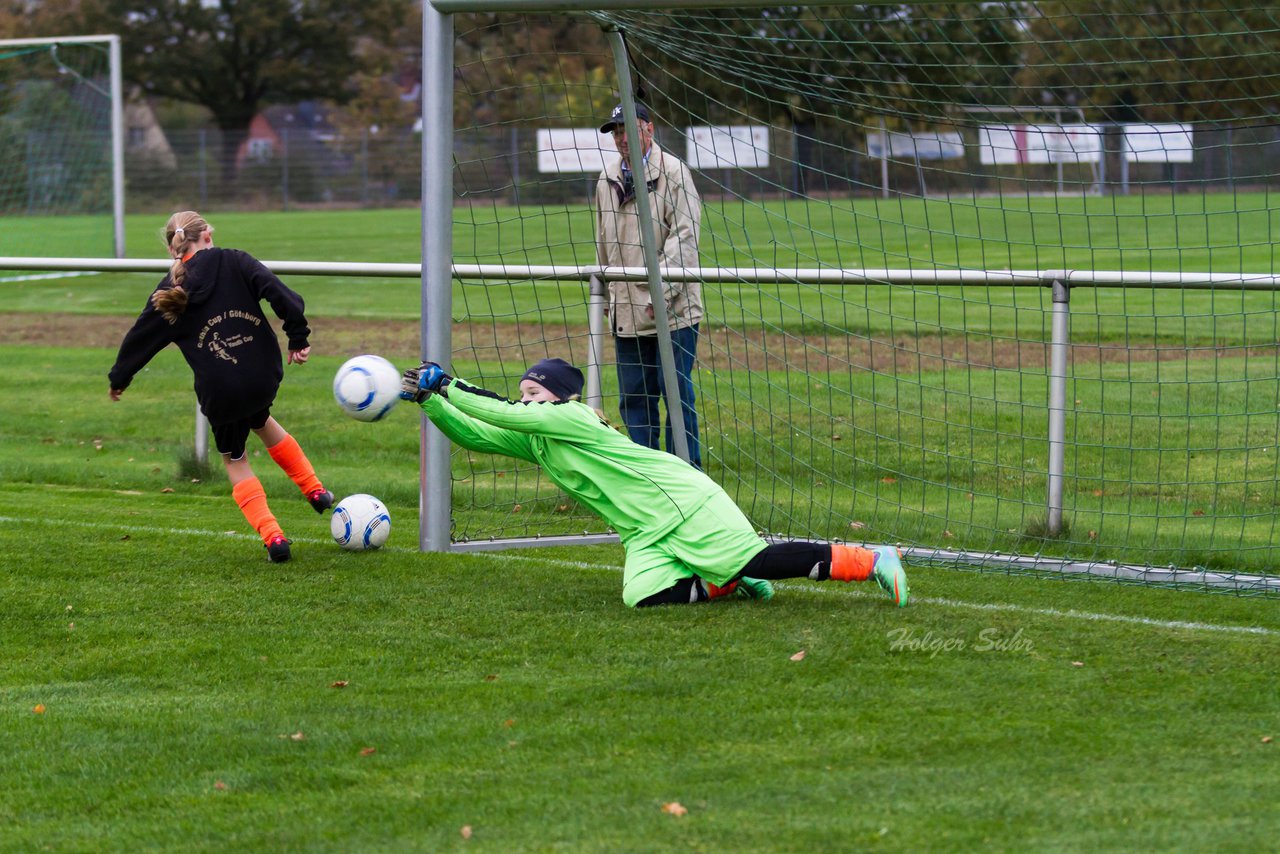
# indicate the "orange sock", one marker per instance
pixel 288 455
pixel 252 500
pixel 714 592
pixel 851 563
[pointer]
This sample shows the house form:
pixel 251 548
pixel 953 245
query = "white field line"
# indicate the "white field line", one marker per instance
pixel 37 276
pixel 841 590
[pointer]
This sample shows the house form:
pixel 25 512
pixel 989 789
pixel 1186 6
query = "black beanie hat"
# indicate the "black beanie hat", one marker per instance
pixel 556 376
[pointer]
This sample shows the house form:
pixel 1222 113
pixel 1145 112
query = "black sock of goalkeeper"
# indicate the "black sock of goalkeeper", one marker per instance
pixel 790 560
pixel 686 591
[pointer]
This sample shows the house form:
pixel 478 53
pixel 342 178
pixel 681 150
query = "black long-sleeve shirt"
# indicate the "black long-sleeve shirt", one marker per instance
pixel 223 334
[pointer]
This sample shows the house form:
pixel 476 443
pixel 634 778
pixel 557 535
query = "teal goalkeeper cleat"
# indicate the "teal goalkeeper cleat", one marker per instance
pixel 889 574
pixel 754 588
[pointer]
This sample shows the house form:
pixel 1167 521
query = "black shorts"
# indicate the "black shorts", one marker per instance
pixel 230 437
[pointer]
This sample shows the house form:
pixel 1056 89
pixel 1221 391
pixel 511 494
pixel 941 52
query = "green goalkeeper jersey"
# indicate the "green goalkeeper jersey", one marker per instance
pixel 641 493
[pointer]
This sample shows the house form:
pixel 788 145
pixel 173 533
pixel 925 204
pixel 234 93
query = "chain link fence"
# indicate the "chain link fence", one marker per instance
pixel 297 169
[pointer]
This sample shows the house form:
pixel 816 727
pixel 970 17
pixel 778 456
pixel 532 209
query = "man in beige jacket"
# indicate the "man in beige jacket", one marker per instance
pixel 677 215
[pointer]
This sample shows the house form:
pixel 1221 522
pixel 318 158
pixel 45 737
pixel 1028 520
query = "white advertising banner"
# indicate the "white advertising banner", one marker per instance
pixel 940 145
pixel 1004 144
pixel 574 150
pixel 1158 144
pixel 727 146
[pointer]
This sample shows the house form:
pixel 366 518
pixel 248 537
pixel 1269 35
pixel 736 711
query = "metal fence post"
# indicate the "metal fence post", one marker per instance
pixel 203 159
pixel 284 167
pixel 364 167
pixel 202 436
pixel 598 299
pixel 1059 346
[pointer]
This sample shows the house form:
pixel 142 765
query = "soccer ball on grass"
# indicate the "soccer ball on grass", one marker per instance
pixel 360 522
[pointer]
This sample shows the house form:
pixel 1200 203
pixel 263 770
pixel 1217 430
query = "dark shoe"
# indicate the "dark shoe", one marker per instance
pixel 278 548
pixel 321 499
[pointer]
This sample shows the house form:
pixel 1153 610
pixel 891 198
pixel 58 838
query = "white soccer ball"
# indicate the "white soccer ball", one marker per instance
pixel 366 387
pixel 360 522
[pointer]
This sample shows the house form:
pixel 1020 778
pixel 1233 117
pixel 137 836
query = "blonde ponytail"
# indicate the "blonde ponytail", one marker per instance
pixel 183 230
pixel 170 302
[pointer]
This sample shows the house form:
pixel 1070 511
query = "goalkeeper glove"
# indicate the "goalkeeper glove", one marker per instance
pixel 421 381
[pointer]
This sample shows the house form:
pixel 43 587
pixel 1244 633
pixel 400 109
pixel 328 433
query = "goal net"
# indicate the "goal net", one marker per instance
pixel 56 148
pixel 992 281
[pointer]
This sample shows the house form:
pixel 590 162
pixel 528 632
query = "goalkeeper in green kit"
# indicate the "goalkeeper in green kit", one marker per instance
pixel 685 539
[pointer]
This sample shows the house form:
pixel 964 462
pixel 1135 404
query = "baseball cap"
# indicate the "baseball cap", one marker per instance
pixel 616 119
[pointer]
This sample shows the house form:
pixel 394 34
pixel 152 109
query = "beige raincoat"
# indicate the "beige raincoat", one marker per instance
pixel 677 213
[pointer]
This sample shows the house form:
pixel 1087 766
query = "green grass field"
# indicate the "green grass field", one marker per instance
pixel 164 687
pixel 1207 233
pixel 186 700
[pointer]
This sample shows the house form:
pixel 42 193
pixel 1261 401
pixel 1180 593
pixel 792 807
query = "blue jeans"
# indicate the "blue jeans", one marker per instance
pixel 640 387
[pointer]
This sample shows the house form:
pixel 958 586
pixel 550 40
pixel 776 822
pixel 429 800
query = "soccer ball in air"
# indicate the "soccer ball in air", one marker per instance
pixel 366 387
pixel 360 522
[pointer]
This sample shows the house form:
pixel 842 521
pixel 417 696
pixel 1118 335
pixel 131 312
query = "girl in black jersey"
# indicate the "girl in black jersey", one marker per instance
pixel 209 305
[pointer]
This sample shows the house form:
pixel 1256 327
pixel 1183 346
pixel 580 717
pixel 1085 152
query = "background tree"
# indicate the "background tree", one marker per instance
pixel 376 124
pixel 913 63
pixel 1176 60
pixel 21 19
pixel 236 56
pixel 516 68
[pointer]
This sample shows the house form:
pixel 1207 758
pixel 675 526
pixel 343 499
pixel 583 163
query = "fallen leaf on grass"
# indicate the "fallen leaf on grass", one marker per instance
pixel 1266 739
pixel 125 537
pixel 167 489
pixel 492 677
pixel 857 526
pixel 509 722
pixel 888 479
pixel 368 751
pixel 1077 664
pixel 38 709
pixel 341 683
pixel 466 831
pixel 1197 512
pixel 1093 535
pixel 220 786
pixel 799 656
pixel 297 736
pixel 674 808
